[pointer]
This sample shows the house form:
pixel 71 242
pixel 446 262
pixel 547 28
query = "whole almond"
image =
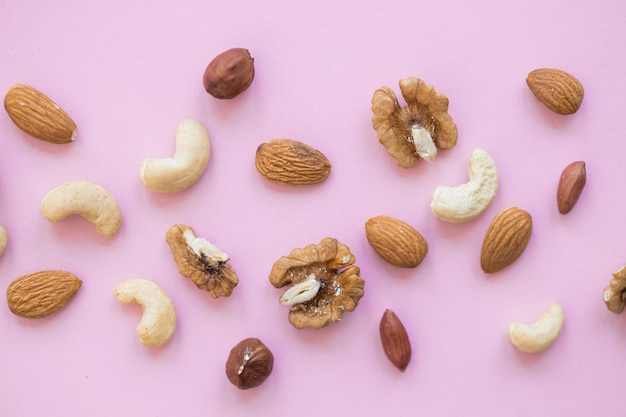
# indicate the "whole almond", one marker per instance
pixel 396 241
pixel 39 116
pixel 571 184
pixel 41 293
pixel 288 161
pixel 557 90
pixel 229 74
pixel 395 340
pixel 506 239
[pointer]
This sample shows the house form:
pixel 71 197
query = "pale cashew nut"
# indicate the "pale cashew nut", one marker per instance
pixel 158 321
pixel 170 175
pixel 4 239
pixel 538 336
pixel 465 202
pixel 87 199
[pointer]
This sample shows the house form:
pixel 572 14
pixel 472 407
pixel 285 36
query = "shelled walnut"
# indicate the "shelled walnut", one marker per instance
pixel 615 292
pixel 416 130
pixel 201 261
pixel 324 283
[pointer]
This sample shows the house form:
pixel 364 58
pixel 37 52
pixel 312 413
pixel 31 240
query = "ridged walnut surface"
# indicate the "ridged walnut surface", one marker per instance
pixel 341 286
pixel 217 278
pixel 424 107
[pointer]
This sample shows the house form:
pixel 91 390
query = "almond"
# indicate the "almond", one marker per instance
pixel 287 161
pixel 571 184
pixel 395 340
pixel 557 90
pixel 506 238
pixel 41 293
pixel 39 116
pixel 396 241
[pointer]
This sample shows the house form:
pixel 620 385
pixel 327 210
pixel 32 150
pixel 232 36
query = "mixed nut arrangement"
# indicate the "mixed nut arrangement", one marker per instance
pixel 321 279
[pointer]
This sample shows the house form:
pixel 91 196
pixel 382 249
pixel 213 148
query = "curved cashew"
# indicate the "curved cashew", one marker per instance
pixel 465 202
pixel 89 200
pixel 4 239
pixel 539 335
pixel 170 175
pixel 158 321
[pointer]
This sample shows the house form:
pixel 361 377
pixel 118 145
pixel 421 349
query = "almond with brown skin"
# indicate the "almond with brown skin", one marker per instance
pixel 395 340
pixel 290 162
pixel 506 239
pixel 557 90
pixel 39 116
pixel 571 184
pixel 396 241
pixel 41 293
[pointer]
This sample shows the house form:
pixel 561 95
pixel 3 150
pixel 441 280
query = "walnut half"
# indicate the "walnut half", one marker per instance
pixel 615 292
pixel 201 261
pixel 324 283
pixel 416 130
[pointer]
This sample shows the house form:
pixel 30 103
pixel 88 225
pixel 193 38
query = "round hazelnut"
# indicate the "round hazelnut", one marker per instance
pixel 229 74
pixel 249 364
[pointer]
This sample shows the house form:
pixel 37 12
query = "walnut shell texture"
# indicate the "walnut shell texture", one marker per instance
pixel 209 274
pixel 506 239
pixel 330 262
pixel 37 115
pixel 425 107
pixel 615 292
pixel 291 162
pixel 558 90
pixel 41 293
pixel 395 241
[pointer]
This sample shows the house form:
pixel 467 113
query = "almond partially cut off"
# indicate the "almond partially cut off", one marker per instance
pixel 506 239
pixel 39 116
pixel 41 293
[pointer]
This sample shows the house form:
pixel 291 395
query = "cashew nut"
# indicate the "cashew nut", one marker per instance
pixel 4 239
pixel 465 202
pixel 170 175
pixel 89 200
pixel 158 321
pixel 539 335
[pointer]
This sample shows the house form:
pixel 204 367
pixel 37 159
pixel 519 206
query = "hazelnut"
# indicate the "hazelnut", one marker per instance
pixel 416 130
pixel 229 74
pixel 249 364
pixel 323 282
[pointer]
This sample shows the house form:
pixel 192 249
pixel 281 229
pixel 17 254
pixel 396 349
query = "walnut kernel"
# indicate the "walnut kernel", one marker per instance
pixel 615 292
pixel 324 283
pixel 416 130
pixel 201 261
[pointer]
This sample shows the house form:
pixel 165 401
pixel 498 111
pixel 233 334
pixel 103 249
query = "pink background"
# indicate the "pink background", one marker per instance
pixel 129 72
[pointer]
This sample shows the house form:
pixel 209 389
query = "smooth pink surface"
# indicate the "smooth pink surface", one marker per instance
pixel 129 72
